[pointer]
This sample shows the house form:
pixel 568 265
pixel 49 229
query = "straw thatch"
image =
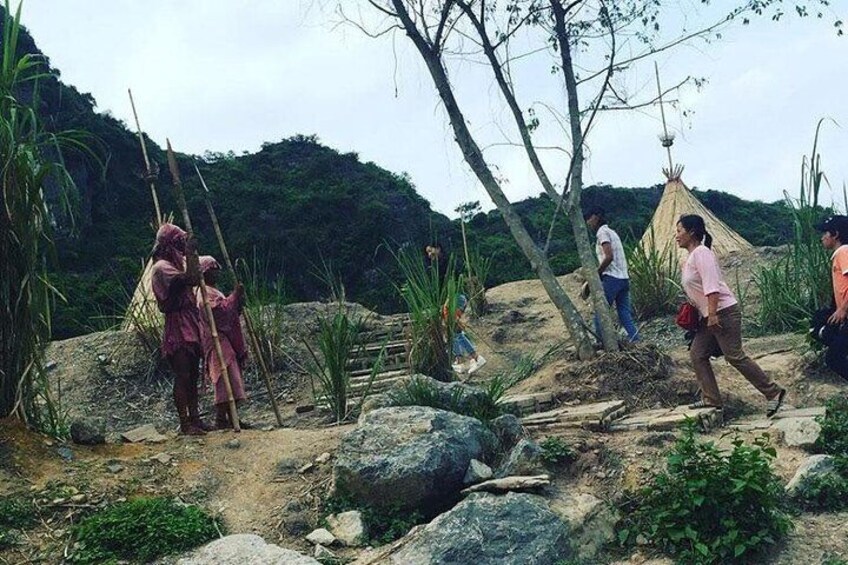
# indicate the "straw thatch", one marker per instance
pixel 678 200
pixel 142 312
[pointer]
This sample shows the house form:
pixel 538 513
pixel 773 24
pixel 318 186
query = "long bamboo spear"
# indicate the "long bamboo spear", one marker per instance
pixel 213 329
pixel 248 322
pixel 148 173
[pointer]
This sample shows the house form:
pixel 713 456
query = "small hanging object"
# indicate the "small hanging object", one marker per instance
pixel 667 139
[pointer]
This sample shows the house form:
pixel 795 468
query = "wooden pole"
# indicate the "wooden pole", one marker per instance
pixel 147 170
pixel 248 322
pixel 662 113
pixel 193 262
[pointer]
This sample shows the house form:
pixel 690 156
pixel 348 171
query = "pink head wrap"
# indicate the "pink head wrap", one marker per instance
pixel 170 239
pixel 207 263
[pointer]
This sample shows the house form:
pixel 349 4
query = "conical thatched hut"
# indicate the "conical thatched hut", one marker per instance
pixel 676 201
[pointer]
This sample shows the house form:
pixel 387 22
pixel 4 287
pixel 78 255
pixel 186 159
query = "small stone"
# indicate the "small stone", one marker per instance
pixel 601 475
pixel 163 458
pixel 79 498
pixel 115 468
pixel 50 365
pixel 287 466
pixel 304 408
pixel 290 399
pixel 321 537
pixel 234 443
pixel 102 358
pixel 322 552
pixel 348 528
pixel 641 540
pixel 477 473
pixel 268 429
pixel 57 501
pixel 323 458
pixel 65 453
pixel 306 468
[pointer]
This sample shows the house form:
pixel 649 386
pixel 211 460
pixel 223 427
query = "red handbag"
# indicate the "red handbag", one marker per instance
pixel 688 317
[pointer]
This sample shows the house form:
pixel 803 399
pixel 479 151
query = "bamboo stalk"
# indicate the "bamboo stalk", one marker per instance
pixel 147 170
pixel 248 322
pixel 193 261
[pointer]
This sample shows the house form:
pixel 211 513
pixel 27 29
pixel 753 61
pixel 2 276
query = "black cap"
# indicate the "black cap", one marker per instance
pixel 835 224
pixel 594 211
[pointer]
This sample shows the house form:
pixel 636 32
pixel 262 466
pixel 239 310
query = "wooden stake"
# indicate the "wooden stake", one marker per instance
pixel 147 170
pixel 193 262
pixel 248 322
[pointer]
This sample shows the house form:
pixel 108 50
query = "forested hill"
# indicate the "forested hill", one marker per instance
pixel 291 209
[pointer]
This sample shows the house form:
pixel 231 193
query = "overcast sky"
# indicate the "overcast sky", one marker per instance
pixel 228 75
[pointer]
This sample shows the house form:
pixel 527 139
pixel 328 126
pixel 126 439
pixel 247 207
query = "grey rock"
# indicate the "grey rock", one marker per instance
pixel 816 465
pixel 234 443
pixel 65 453
pixel 798 432
pixel 86 432
pixel 484 529
pixel 524 459
pixel 288 466
pixel 115 468
pixel 591 521
pixel 321 536
pixel 477 473
pixel 322 552
pixel 411 456
pixel 297 524
pixel 349 528
pixel 245 548
pixel 508 429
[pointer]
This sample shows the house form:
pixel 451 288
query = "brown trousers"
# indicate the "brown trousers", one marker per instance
pixel 729 338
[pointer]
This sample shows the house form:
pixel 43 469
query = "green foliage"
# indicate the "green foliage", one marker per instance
pixel 338 339
pixel 427 299
pixel 833 438
pixel 266 297
pixel 421 392
pixel 16 513
pixel 30 164
pixel 654 281
pixel 710 506
pixel 384 524
pixel 826 492
pixel 141 530
pixel 834 561
pixel 795 286
pixel 555 451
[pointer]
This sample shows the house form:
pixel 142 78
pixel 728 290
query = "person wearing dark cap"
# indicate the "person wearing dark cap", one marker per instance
pixel 612 270
pixel 835 239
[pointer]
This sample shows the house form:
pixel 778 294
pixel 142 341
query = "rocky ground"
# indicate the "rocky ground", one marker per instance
pixel 270 481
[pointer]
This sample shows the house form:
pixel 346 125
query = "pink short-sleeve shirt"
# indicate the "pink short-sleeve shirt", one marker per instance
pixel 701 277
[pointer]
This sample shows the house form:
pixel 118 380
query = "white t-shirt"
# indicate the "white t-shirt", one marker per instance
pixel 618 267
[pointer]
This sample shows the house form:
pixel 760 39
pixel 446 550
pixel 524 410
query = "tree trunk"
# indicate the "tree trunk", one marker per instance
pixel 587 256
pixel 474 157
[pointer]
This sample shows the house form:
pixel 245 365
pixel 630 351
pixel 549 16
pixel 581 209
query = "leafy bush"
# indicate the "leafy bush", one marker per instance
pixel 141 530
pixel 833 438
pixel 654 281
pixel 384 524
pixel 556 452
pixel 710 506
pixel 16 513
pixel 828 491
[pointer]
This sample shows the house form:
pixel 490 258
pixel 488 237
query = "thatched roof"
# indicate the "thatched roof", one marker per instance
pixel 142 310
pixel 677 200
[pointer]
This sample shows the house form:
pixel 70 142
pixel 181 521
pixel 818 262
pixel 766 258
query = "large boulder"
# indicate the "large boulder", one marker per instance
pixel 814 466
pixel 798 432
pixel 485 529
pixel 523 459
pixel 463 397
pixel 245 548
pixel 87 432
pixel 409 456
pixel 591 521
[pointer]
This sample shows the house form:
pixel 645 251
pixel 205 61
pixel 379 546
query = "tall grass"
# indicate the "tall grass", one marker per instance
pixel 425 296
pixel 26 294
pixel 654 281
pixel 475 283
pixel 338 341
pixel 266 297
pixel 796 285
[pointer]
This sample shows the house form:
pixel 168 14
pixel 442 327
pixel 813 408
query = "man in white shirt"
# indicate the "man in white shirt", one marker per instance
pixel 612 270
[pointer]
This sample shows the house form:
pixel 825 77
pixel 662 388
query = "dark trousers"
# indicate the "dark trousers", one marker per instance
pixel 836 357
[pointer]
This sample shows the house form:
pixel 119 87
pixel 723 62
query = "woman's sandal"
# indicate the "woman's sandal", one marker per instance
pixel 703 404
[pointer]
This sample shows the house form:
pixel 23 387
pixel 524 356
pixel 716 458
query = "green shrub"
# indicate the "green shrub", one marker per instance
pixel 16 511
pixel 556 452
pixel 141 530
pixel 710 506
pixel 828 492
pixel 834 433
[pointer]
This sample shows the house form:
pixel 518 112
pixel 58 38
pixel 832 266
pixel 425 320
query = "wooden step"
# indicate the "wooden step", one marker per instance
pixel 376 388
pixel 595 416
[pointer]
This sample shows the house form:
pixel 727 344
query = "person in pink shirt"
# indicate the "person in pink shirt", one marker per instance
pixel 721 323
pixel 173 285
pixel 226 310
